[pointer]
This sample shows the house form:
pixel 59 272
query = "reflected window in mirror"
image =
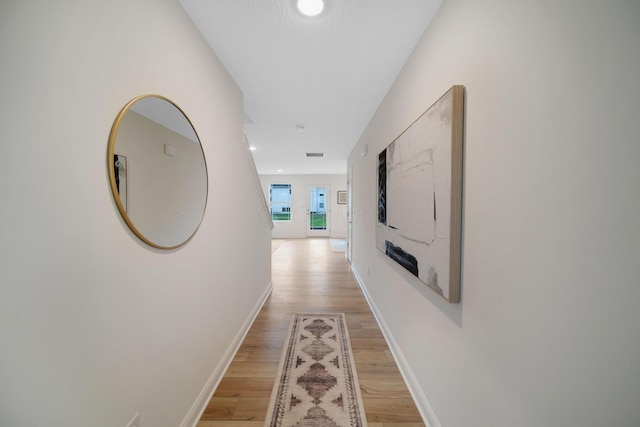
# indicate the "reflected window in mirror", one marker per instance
pixel 280 201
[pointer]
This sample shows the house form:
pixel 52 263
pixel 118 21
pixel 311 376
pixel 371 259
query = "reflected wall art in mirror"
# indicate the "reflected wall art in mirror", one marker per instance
pixel 157 171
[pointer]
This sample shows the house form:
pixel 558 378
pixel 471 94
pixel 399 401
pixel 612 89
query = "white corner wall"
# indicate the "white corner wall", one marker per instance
pixel 296 228
pixel 547 333
pixel 94 325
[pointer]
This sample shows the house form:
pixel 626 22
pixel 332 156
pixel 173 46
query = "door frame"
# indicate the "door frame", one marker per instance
pixel 349 213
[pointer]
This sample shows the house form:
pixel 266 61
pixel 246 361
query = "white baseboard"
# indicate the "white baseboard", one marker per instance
pixel 288 236
pixel 428 416
pixel 198 407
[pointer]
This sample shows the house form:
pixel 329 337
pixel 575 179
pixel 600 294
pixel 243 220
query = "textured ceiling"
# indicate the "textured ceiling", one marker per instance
pixel 327 73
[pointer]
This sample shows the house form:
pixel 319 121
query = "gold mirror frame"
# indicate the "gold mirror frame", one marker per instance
pixel 111 152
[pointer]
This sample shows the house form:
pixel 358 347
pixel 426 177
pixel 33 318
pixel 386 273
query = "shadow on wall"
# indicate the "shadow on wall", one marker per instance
pixel 452 311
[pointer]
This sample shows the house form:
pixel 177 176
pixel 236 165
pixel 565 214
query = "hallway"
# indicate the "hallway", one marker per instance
pixel 309 277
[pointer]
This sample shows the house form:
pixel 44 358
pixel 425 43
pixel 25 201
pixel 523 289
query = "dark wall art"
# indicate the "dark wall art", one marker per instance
pixel 120 167
pixel 420 196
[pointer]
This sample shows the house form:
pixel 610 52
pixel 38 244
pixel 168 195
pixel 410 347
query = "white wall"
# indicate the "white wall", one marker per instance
pixel 94 325
pixel 547 333
pixel 296 228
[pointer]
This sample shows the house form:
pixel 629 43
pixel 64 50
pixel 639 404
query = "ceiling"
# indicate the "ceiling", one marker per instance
pixel 327 73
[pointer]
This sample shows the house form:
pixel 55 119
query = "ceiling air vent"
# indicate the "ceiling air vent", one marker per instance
pixel 315 154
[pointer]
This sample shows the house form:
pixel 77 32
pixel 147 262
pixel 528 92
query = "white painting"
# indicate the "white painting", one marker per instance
pixel 420 193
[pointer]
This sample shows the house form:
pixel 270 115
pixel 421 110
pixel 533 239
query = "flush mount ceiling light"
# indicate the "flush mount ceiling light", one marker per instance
pixel 310 7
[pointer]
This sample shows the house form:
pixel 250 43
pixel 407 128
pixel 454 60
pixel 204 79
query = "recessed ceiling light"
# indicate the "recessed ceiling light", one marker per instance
pixel 310 7
pixel 252 148
pixel 279 170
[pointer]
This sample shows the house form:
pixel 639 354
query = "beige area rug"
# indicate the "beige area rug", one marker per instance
pixel 317 383
pixel 338 245
pixel 275 244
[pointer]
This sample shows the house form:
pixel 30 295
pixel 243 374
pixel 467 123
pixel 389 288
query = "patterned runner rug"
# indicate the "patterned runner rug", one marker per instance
pixel 317 384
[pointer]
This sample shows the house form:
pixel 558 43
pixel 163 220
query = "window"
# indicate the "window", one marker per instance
pixel 280 202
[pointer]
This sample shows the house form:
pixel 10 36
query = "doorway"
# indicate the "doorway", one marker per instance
pixel 349 213
pixel 318 210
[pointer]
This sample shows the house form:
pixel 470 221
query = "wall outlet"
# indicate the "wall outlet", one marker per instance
pixel 135 422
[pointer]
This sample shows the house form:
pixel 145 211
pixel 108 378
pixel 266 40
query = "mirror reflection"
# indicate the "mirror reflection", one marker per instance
pixel 157 171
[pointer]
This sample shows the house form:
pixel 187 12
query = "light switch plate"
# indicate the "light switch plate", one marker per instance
pixel 169 150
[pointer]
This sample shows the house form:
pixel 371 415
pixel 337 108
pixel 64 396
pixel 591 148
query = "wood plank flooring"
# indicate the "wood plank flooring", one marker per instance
pixel 308 277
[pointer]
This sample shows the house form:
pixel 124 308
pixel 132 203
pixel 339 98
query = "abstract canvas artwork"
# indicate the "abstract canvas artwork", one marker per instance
pixel 420 196
pixel 120 169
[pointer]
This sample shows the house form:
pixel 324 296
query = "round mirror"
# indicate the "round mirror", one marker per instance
pixel 157 171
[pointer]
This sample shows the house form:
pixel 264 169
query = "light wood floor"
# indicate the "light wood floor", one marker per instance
pixel 308 277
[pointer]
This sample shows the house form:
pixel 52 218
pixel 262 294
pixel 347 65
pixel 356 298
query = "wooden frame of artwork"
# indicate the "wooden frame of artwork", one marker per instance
pixel 342 197
pixel 420 196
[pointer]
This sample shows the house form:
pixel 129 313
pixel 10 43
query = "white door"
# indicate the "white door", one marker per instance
pixel 349 212
pixel 318 210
